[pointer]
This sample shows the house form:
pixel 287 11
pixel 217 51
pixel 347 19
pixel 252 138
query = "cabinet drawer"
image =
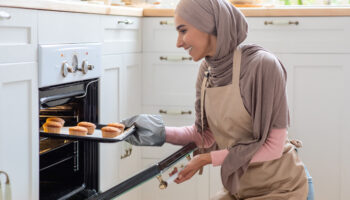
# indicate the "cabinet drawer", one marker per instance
pixel 168 79
pixel 18 35
pixel 121 34
pixel 64 27
pixel 160 35
pixel 300 34
pixel 173 115
pixel 172 118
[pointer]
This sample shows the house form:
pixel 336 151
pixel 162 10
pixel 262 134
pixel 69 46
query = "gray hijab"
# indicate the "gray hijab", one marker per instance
pixel 219 18
pixel 260 72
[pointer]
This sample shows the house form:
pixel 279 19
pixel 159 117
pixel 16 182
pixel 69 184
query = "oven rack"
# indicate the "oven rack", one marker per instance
pixel 96 137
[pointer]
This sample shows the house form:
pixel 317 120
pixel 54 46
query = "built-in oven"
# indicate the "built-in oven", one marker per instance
pixel 68 89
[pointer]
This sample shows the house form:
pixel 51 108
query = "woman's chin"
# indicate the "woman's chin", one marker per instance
pixel 194 59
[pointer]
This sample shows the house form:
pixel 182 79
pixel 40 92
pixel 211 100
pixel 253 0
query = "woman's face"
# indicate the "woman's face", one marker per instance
pixel 198 44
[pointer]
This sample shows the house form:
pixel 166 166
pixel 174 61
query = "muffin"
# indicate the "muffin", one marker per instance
pixel 55 119
pixel 78 130
pixel 117 125
pixel 110 132
pixel 52 127
pixel 90 127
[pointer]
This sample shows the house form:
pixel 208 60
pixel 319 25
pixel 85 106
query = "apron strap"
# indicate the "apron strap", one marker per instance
pixel 204 86
pixel 236 71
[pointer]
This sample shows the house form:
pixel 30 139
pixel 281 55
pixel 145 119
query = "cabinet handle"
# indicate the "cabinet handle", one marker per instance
pixel 125 21
pixel 7 187
pixel 127 151
pixel 174 58
pixel 4 15
pixel 281 22
pixel 165 22
pixel 161 111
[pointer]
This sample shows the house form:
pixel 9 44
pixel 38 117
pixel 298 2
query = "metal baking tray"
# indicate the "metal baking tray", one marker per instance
pixel 96 136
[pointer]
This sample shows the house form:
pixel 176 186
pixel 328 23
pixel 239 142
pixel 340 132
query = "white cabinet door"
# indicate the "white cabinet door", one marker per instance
pixel 109 109
pixel 169 79
pixel 18 35
pixel 19 128
pixel 114 90
pixel 121 34
pixel 300 34
pixel 318 94
pixel 131 85
pixel 159 35
pixel 130 105
pixel 64 27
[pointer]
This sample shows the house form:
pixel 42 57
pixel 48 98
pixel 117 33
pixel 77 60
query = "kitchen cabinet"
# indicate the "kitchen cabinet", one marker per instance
pixel 18 30
pixel 318 96
pixel 300 34
pixel 169 79
pixel 19 139
pixel 168 88
pixel 121 34
pixel 64 28
pixel 159 35
pixel 109 102
pixel 120 96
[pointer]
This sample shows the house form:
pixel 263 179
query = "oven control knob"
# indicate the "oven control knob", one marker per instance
pixel 85 67
pixel 66 69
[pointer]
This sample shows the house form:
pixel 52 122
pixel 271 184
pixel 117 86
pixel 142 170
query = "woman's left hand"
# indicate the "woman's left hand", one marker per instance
pixel 193 166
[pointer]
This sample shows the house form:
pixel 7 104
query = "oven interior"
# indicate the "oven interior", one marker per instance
pixel 68 168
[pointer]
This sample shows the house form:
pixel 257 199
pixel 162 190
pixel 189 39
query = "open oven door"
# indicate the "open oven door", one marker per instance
pixel 153 171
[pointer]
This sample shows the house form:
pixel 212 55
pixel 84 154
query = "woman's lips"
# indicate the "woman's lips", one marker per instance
pixel 189 50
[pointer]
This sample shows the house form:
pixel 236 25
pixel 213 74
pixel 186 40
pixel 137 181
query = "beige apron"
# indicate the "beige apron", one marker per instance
pixel 230 123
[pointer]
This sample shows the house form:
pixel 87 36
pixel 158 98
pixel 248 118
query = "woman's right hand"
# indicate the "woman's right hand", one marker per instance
pixel 195 164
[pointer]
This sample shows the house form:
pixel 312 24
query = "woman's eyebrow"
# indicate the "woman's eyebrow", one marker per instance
pixel 180 26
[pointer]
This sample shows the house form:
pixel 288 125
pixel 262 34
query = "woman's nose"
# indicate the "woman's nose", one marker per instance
pixel 179 42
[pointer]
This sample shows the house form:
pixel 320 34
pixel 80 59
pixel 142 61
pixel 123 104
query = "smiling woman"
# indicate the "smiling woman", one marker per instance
pixel 198 44
pixel 241 106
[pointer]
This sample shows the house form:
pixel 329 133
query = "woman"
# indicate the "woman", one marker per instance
pixel 241 108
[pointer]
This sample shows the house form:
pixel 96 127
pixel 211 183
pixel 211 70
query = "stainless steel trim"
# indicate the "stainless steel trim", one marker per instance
pixel 281 22
pixel 5 15
pixel 161 111
pixel 125 21
pixel 175 58
pixel 166 22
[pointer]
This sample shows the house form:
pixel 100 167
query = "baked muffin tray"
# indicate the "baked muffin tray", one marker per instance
pixel 96 136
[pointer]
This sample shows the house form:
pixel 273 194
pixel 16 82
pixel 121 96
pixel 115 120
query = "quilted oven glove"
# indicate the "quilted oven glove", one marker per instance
pixel 150 130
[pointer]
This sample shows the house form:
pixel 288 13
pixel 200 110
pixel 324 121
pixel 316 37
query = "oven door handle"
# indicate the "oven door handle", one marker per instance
pixel 45 100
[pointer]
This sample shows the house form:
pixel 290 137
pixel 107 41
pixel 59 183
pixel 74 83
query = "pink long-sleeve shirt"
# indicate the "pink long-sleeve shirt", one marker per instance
pixel 270 150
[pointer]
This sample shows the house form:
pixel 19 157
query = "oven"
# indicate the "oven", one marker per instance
pixel 68 88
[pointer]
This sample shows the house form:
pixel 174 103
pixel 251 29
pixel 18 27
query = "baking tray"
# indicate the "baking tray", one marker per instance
pixel 97 136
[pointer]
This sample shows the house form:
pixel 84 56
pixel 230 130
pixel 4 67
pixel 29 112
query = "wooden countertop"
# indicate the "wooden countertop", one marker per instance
pixel 282 11
pixel 85 7
pixel 74 6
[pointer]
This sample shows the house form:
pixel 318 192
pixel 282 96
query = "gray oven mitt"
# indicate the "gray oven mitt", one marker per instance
pixel 150 130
